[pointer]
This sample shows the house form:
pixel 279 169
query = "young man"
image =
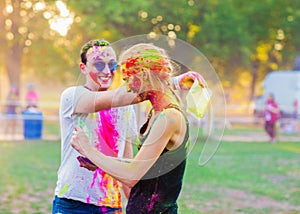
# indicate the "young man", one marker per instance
pixel 80 190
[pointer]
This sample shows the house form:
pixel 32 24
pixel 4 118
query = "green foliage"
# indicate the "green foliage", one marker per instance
pixel 254 37
pixel 228 32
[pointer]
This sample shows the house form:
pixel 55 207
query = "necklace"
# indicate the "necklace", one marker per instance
pixel 88 88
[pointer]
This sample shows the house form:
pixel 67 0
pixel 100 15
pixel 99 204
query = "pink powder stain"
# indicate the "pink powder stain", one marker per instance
pixel 104 183
pixel 108 134
pixel 153 199
pixel 94 77
pixel 88 199
pixel 96 173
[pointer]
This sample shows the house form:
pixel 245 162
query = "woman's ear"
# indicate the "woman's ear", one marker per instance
pixel 145 76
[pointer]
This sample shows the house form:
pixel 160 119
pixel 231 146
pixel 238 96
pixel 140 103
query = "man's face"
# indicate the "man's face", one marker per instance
pixel 101 66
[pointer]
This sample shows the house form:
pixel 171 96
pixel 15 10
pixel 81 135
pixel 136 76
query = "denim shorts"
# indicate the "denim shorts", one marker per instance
pixel 69 206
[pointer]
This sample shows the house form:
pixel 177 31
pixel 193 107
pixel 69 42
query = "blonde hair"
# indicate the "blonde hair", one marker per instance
pixel 146 57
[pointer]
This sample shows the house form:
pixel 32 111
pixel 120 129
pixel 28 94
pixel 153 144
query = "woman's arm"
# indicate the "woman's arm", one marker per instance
pixel 130 172
pixel 128 153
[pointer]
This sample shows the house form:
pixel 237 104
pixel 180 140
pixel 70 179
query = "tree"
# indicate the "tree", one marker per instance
pixel 238 38
pixel 29 41
pixel 252 37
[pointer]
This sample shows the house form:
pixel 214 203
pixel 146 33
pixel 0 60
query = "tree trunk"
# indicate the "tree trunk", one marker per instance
pixel 13 64
pixel 13 55
pixel 253 82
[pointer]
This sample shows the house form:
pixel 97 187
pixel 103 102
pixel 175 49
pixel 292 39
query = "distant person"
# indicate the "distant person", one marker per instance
pixel 297 64
pixel 32 97
pixel 271 116
pixel 11 110
pixel 295 104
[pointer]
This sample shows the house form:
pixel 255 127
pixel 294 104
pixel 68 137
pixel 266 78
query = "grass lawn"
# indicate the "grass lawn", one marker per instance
pixel 255 177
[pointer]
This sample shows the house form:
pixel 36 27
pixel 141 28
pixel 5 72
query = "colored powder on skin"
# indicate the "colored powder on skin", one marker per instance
pixel 64 190
pixel 128 166
pixel 97 53
pixel 187 81
pixel 94 77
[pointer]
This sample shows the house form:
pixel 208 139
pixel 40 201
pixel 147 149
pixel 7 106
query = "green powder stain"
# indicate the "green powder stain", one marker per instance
pixel 82 124
pixel 64 190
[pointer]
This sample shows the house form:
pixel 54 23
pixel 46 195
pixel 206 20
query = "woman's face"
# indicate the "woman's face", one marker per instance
pixel 134 83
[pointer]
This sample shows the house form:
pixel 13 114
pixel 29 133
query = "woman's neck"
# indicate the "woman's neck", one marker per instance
pixel 160 100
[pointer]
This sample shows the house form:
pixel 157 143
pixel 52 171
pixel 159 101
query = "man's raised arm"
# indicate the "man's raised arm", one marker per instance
pixel 96 101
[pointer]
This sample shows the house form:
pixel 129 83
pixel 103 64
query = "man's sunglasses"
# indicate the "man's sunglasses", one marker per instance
pixel 113 66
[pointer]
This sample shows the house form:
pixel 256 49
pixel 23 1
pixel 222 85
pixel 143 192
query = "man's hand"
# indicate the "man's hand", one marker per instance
pixel 186 80
pixel 80 141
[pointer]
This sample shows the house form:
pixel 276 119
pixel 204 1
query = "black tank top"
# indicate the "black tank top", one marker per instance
pixel 158 190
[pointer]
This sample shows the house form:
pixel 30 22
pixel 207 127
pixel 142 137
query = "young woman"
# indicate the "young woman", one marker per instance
pixel 156 172
pixel 271 116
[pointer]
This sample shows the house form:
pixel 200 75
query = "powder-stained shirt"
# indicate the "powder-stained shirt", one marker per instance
pixel 78 183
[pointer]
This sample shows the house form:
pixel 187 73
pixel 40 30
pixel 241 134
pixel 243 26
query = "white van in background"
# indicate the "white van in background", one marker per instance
pixel 285 86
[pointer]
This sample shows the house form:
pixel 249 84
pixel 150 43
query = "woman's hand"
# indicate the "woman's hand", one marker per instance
pixel 186 80
pixel 86 163
pixel 80 141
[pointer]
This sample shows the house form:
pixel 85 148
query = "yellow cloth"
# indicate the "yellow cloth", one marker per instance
pixel 198 99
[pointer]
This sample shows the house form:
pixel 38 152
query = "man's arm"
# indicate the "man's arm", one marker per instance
pixel 96 101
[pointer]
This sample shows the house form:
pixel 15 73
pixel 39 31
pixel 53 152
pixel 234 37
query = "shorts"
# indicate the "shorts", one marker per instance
pixel 69 206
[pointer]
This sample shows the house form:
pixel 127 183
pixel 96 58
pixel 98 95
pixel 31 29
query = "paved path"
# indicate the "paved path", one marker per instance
pixel 259 137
